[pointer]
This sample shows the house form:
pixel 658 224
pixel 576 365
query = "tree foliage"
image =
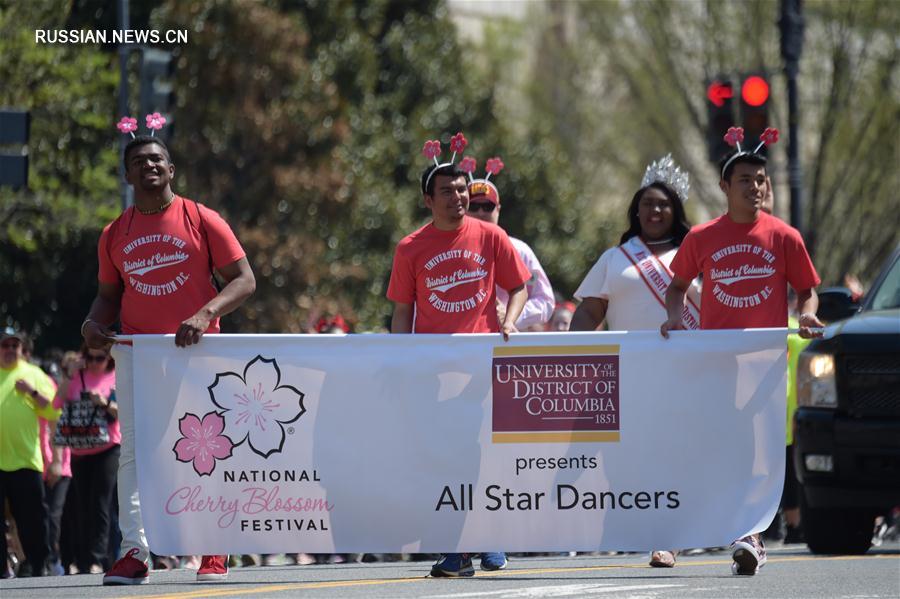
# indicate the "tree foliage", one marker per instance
pixel 644 63
pixel 48 233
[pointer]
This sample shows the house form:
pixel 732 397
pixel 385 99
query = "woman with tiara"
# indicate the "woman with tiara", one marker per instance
pixel 627 286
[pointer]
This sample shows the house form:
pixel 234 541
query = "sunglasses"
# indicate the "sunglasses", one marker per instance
pixel 90 358
pixel 483 206
pixel 10 344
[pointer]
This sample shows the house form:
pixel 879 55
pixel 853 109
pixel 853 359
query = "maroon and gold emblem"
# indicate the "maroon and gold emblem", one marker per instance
pixel 556 394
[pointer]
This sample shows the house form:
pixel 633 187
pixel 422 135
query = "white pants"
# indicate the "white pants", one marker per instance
pixel 130 521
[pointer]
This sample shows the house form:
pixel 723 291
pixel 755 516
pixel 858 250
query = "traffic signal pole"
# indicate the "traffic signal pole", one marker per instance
pixel 791 24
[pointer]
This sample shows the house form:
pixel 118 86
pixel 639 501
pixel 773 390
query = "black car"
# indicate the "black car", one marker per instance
pixel 847 424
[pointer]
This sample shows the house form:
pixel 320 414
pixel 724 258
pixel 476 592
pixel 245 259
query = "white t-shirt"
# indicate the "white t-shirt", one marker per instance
pixel 539 307
pixel 632 306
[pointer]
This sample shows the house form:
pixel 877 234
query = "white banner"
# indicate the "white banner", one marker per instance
pixel 434 443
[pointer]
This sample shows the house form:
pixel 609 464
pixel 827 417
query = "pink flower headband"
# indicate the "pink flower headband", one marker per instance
pixel 155 122
pixel 432 149
pixel 492 167
pixel 479 187
pixel 735 136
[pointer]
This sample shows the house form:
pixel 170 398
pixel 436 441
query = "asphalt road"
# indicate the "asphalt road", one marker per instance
pixel 791 572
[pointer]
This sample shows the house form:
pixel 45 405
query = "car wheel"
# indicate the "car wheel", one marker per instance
pixel 837 530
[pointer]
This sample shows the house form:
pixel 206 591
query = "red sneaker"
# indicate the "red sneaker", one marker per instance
pixel 127 570
pixel 213 568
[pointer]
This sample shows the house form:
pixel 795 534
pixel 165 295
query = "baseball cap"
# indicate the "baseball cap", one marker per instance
pixel 481 190
pixel 13 333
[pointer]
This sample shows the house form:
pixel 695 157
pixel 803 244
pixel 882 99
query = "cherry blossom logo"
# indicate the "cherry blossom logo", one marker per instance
pixel 202 442
pixel 257 405
pixel 253 406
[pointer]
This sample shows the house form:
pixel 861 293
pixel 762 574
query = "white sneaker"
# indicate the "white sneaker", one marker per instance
pixel 749 555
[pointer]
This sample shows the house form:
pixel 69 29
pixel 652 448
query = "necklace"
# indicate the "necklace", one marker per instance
pixel 659 241
pixel 158 209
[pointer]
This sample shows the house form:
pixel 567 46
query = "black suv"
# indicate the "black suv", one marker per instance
pixel 847 424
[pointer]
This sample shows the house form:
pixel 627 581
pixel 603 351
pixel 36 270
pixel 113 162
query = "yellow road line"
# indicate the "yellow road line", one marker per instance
pixel 211 591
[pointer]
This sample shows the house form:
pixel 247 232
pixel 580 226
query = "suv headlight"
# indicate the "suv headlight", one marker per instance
pixel 815 381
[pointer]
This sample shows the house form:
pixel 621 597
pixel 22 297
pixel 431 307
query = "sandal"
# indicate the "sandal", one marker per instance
pixel 663 559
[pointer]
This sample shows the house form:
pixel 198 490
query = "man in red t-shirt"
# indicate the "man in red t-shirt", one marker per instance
pixel 444 280
pixel 748 258
pixel 156 268
pixel 445 274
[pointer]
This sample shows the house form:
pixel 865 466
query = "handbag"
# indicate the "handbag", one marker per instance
pixel 82 424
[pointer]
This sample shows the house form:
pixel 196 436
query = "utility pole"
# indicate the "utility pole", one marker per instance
pixel 791 25
pixel 127 191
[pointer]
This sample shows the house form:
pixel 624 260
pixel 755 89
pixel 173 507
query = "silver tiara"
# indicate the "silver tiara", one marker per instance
pixel 664 170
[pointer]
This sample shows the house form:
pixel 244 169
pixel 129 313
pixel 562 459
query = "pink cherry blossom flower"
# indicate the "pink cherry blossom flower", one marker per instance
pixel 202 442
pixel 494 165
pixel 734 136
pixel 127 125
pixel 155 121
pixel 432 149
pixel 468 165
pixel 769 136
pixel 458 143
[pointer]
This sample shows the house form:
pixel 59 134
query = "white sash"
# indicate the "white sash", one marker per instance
pixel 657 277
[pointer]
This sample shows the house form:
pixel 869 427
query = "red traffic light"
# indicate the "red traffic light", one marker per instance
pixel 755 90
pixel 718 92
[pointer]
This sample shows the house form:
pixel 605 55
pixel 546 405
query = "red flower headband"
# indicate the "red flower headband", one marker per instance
pixel 479 187
pixel 735 136
pixel 492 167
pixel 154 121
pixel 432 149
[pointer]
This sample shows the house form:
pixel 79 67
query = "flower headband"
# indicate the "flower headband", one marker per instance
pixel 155 122
pixel 432 149
pixel 735 136
pixel 483 186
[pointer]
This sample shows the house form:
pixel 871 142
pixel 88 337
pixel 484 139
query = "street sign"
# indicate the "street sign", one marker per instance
pixel 14 126
pixel 13 171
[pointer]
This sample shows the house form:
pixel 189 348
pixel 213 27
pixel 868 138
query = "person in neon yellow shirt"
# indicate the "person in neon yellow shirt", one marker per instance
pixel 790 500
pixel 26 394
pixel 790 497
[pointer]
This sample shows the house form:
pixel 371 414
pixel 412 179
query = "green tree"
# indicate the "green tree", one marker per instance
pixel 302 121
pixel 641 67
pixel 49 232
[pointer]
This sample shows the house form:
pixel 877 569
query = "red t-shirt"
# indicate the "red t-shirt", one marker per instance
pixel 451 276
pixel 746 270
pixel 163 261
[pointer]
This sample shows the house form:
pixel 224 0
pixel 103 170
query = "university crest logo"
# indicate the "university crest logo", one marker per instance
pixel 556 394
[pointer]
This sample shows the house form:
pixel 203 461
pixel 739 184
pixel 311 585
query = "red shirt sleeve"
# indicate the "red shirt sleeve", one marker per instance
pixel 686 264
pixel 511 270
pixel 223 244
pixel 801 273
pixel 108 273
pixel 402 288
